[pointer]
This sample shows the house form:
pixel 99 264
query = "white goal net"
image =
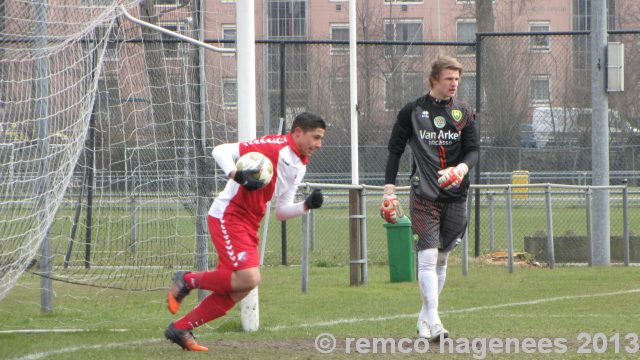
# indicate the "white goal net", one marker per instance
pixel 106 130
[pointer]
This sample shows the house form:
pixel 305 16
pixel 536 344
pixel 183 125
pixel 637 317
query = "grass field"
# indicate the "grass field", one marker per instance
pixel 489 303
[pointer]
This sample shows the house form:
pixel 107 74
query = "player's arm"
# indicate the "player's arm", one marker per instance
pixel 226 156
pixel 452 177
pixel 285 207
pixel 400 134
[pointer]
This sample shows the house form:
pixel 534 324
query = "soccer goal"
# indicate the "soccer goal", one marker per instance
pixel 106 128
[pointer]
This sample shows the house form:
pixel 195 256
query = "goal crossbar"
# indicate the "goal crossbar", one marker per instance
pixel 174 34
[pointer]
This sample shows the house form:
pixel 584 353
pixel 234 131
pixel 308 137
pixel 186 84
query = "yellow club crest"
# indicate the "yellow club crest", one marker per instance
pixel 457 114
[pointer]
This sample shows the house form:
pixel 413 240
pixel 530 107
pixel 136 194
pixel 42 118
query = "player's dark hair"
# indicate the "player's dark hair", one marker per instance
pixel 443 62
pixel 308 121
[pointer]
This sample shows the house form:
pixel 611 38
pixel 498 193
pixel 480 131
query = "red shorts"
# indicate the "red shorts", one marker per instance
pixel 235 242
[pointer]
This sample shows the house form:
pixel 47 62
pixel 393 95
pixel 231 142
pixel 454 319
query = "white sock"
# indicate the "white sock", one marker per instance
pixel 429 283
pixel 422 316
pixel 441 270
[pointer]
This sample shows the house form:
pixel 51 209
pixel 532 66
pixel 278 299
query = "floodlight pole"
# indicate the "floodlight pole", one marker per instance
pixel 600 134
pixel 353 91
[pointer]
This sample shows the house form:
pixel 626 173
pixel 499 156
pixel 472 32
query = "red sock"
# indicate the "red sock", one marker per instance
pixel 218 281
pixel 212 307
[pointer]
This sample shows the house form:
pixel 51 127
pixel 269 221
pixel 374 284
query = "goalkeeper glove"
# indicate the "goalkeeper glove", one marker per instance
pixel 451 177
pixel 245 178
pixel 390 208
pixel 314 200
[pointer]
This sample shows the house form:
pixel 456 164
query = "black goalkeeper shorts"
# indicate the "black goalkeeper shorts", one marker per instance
pixel 437 224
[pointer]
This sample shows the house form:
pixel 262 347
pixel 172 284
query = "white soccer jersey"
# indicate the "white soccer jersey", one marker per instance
pixel 249 206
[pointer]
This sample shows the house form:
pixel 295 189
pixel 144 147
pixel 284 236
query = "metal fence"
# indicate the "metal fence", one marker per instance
pixel 150 203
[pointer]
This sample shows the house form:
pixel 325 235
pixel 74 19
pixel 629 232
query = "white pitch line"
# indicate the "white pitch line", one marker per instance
pixel 40 331
pixel 454 311
pixel 41 355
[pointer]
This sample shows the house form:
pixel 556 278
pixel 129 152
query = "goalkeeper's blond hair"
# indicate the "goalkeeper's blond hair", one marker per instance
pixel 443 62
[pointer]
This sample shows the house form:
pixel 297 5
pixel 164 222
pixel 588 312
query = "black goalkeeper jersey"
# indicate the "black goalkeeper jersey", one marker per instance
pixel 441 134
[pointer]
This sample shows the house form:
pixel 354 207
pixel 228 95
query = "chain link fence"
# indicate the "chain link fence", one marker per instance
pixel 534 116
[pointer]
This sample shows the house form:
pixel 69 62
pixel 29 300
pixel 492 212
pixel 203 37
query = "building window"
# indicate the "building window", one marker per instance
pixel 400 88
pixel 229 33
pixel 581 19
pixel 405 31
pixel 466 32
pixel 169 43
pixel 539 42
pixel 111 53
pixel 339 91
pixel 287 18
pixel 229 94
pixel 467 89
pixel 166 2
pixel 540 89
pixel 339 32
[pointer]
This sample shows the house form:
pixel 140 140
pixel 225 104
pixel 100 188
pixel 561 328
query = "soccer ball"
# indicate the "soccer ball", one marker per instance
pixel 256 160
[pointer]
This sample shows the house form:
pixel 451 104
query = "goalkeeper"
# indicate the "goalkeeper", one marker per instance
pixel 443 136
pixel 234 219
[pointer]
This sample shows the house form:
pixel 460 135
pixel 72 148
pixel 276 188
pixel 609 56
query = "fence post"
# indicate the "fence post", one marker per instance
pixel 355 262
pixel 588 210
pixel 478 112
pixel 304 262
pixel 625 222
pixel 550 250
pixel 312 230
pixel 509 230
pixel 465 241
pixel 363 236
pixel 491 218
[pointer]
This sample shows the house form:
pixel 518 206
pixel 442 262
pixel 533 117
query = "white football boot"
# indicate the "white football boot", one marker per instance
pixel 438 332
pixel 423 330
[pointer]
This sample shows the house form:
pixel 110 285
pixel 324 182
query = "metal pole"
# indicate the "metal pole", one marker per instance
pixel 550 250
pixel 304 262
pixel 588 194
pixel 74 226
pixel 246 80
pixel 491 219
pixel 42 108
pixel 312 230
pixel 202 183
pixel 283 122
pixel 265 230
pixel 246 69
pixel 355 262
pixel 202 78
pixel 465 241
pixel 185 119
pixel 363 236
pixel 478 111
pixel 90 151
pixel 509 230
pixel 353 91
pixel 186 38
pixel 600 133
pixel 625 223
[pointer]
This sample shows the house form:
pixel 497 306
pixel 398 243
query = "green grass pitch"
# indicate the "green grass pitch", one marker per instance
pixel 489 303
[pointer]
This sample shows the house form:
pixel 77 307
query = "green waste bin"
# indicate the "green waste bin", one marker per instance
pixel 402 265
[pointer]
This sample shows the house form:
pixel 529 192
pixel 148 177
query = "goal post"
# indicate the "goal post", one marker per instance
pixel 245 58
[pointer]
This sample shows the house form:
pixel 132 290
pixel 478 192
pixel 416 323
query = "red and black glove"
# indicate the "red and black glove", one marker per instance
pixel 390 209
pixel 451 177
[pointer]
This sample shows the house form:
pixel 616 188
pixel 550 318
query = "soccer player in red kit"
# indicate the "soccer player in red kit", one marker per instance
pixel 234 219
